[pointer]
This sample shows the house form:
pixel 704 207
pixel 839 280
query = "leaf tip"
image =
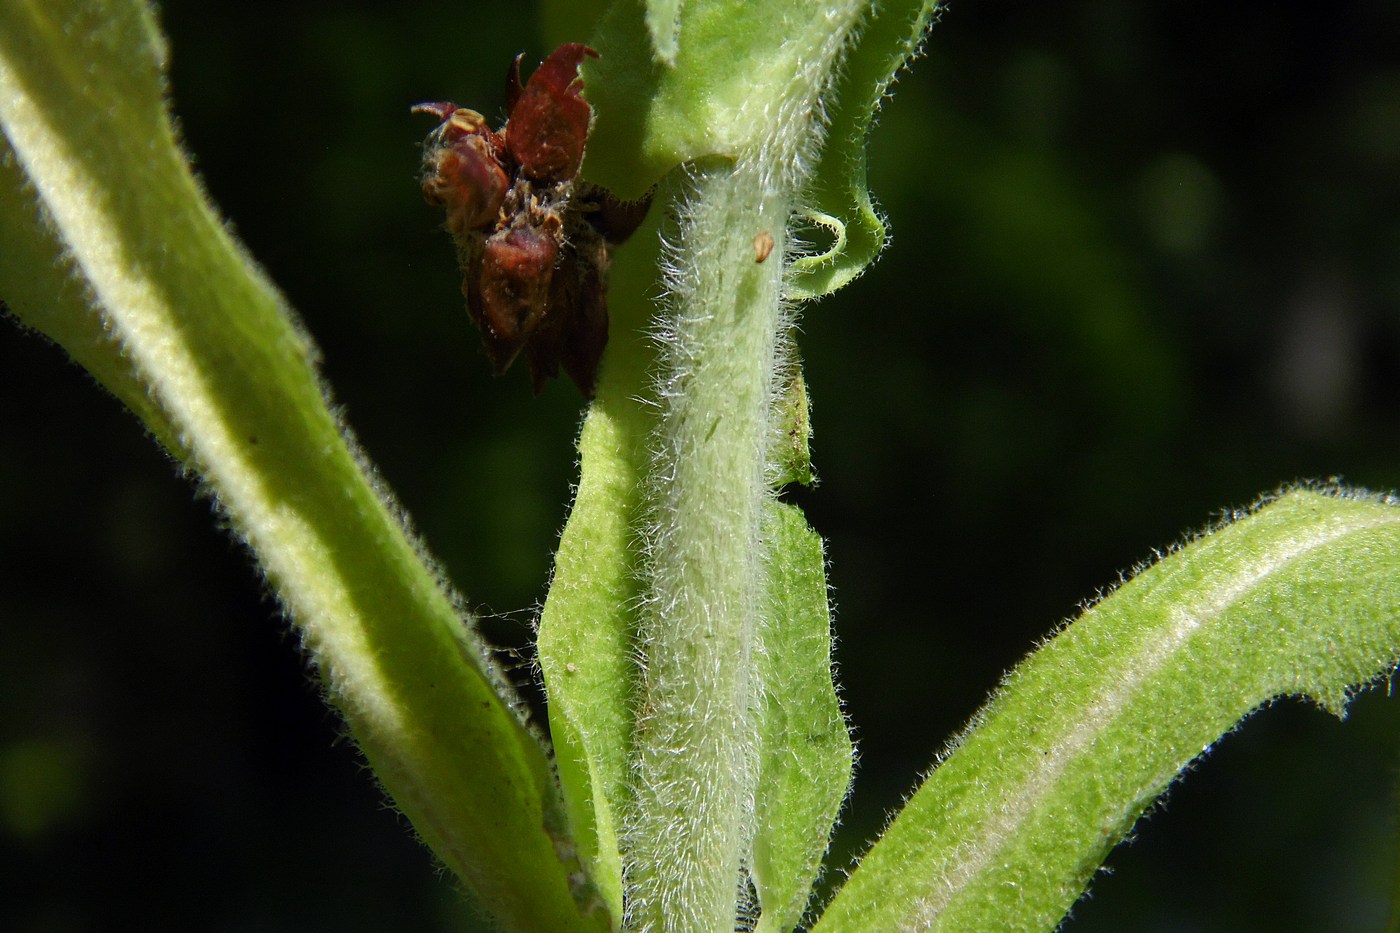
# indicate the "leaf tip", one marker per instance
pixel 663 18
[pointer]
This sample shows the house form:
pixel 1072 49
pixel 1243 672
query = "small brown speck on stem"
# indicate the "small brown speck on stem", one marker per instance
pixel 762 246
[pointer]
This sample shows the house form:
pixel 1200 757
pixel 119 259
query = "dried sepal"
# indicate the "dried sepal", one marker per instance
pixel 614 219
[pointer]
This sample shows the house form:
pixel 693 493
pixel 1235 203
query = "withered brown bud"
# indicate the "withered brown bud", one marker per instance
pixel 462 170
pixel 532 241
pixel 517 267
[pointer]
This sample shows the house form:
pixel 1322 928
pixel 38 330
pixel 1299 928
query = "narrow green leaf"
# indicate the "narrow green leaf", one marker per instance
pixel 1301 598
pixel 587 636
pixel 838 199
pixel 806 752
pixel 213 346
pixel 585 641
pixel 43 292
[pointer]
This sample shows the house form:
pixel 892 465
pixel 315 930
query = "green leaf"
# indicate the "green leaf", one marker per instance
pixel 713 96
pixel 806 752
pixel 791 458
pixel 721 97
pixel 43 292
pixel 838 199
pixel 206 342
pixel 587 632
pixel 664 27
pixel 587 636
pixel 1301 598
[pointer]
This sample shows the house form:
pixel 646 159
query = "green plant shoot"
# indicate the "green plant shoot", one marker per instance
pixel 697 754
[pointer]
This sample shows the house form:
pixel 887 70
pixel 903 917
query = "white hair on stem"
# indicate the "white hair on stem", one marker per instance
pixel 725 353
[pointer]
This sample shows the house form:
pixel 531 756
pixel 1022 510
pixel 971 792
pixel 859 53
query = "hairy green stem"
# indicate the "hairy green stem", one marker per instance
pixel 695 767
pixel 689 830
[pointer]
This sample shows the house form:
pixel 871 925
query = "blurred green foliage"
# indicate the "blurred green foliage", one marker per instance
pixel 1144 268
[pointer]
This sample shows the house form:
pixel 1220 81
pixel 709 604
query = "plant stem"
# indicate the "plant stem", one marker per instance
pixel 691 822
pixel 689 832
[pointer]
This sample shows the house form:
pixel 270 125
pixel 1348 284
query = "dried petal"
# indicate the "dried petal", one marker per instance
pixel 549 123
pixel 513 86
pixel 575 331
pixel 586 335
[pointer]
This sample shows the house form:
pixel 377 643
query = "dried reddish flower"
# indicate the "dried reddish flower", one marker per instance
pixel 533 241
pixel 463 172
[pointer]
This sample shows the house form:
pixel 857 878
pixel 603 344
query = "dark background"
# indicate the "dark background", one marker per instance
pixel 1143 269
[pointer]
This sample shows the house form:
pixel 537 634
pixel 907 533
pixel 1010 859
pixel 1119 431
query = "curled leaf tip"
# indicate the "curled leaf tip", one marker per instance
pixel 838 197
